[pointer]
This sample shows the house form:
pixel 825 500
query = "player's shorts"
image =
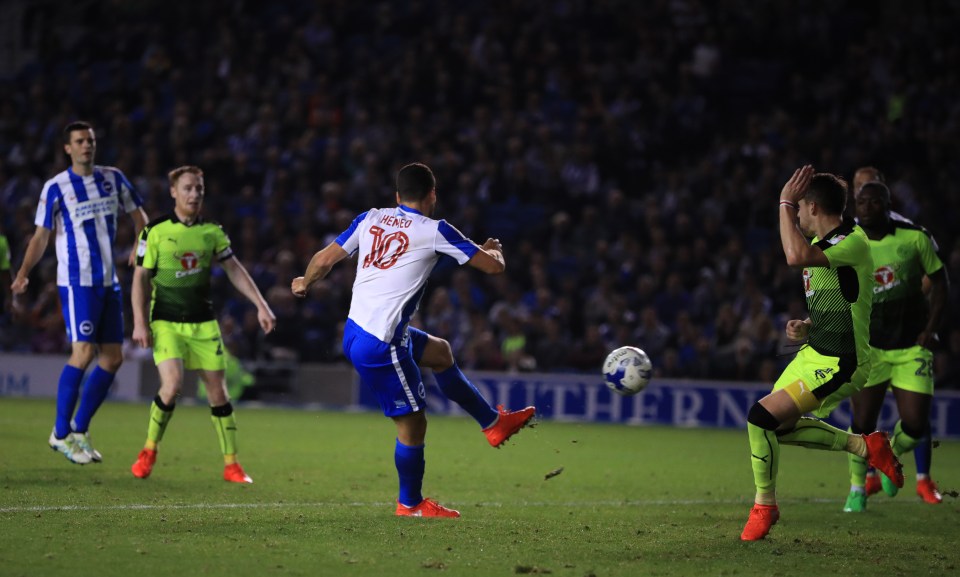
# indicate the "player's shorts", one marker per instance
pixel 831 379
pixel 199 345
pixel 92 314
pixel 909 369
pixel 390 370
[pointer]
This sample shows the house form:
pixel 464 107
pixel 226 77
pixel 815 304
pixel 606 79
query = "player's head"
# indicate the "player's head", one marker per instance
pixel 866 174
pixel 79 142
pixel 417 185
pixel 826 196
pixel 186 188
pixel 873 204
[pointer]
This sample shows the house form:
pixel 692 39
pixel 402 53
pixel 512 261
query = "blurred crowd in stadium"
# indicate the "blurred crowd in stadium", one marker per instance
pixel 629 155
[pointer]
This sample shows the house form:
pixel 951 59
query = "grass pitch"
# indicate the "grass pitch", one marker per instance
pixel 628 501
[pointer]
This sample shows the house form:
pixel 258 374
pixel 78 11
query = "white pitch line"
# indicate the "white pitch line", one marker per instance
pixel 336 504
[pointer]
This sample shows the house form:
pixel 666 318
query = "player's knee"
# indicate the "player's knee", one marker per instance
pixel 110 362
pixel 914 428
pixel 444 355
pixel 82 355
pixel 759 416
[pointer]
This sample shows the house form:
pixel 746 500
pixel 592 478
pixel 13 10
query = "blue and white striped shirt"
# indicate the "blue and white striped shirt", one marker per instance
pixel 84 211
pixel 398 249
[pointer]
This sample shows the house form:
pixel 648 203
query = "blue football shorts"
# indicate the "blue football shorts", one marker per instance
pixel 92 314
pixel 390 370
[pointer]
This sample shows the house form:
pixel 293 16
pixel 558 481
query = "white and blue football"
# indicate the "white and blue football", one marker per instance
pixel 627 370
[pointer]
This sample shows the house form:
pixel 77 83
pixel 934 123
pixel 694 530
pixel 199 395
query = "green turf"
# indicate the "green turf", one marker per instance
pixel 629 501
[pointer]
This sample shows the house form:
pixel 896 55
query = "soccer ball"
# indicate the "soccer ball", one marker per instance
pixel 627 370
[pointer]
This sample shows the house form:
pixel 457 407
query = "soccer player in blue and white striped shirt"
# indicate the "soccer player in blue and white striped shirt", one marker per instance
pixel 82 204
pixel 397 249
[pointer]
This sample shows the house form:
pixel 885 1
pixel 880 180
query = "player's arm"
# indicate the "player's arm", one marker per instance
pixel 140 301
pixel 319 267
pixel 489 258
pixel 139 221
pixel 240 278
pixel 939 288
pixel 797 247
pixel 35 249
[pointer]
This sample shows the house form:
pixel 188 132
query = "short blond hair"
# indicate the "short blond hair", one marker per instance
pixel 175 174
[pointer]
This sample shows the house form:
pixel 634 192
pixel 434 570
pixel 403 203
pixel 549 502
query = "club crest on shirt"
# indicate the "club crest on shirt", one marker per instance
pixel 806 282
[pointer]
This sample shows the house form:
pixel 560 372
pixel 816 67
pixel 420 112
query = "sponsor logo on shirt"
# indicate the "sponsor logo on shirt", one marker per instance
pixel 89 209
pixel 885 278
pixel 190 261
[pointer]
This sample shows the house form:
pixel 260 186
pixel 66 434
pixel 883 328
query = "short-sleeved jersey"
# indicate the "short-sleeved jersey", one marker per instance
pixel 4 253
pixel 180 259
pixel 901 258
pixel 840 297
pixel 84 210
pixel 398 248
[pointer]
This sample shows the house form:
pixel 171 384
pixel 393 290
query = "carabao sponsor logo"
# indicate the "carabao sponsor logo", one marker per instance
pixel 885 278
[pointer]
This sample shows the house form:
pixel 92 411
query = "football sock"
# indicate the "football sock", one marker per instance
pixel 901 441
pixel 160 414
pixel 225 423
pixel 765 460
pixel 922 454
pixel 455 386
pixel 68 389
pixel 95 391
pixel 815 434
pixel 410 467
pixel 857 466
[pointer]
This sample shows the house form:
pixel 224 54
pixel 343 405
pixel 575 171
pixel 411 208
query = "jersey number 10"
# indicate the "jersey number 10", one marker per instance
pixel 387 248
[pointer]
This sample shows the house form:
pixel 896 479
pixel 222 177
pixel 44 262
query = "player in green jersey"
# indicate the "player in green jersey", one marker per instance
pixel 835 361
pixel 923 453
pixel 902 330
pixel 174 255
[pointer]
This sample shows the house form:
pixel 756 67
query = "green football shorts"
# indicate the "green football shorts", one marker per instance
pixel 831 379
pixel 198 344
pixel 909 369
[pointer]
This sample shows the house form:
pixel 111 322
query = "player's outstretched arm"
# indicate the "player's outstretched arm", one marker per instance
pixel 489 258
pixel 139 300
pixel 319 267
pixel 241 279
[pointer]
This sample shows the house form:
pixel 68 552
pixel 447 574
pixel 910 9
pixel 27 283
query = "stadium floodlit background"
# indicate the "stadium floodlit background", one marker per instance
pixel 627 153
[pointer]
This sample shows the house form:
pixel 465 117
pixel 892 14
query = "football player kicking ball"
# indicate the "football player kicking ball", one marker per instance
pixel 398 248
pixel 175 254
pixel 834 364
pixel 902 331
